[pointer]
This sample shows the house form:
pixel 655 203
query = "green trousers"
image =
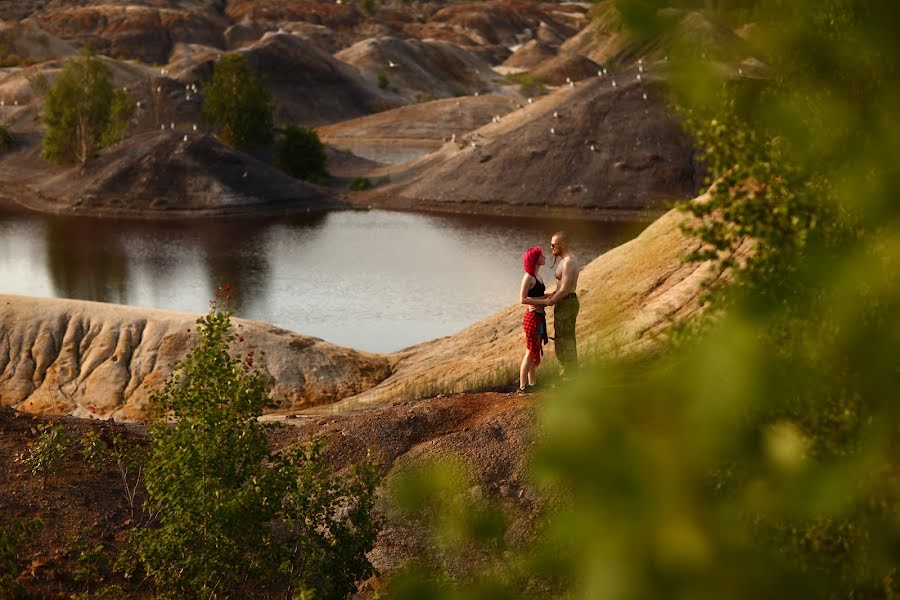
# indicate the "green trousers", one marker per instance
pixel 564 314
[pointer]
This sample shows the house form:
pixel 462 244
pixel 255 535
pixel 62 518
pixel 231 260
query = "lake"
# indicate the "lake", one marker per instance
pixel 373 280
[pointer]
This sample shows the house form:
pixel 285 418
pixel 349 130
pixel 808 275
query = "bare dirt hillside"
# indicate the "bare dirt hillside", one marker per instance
pixel 405 133
pixel 421 69
pixel 593 147
pixel 310 87
pixel 84 510
pixel 146 33
pixel 90 359
pixel 160 175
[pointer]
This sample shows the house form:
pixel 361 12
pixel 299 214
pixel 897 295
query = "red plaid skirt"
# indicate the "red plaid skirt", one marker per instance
pixel 535 326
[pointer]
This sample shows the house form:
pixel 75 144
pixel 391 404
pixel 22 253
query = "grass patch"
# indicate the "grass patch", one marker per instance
pixel 360 184
pixel 529 85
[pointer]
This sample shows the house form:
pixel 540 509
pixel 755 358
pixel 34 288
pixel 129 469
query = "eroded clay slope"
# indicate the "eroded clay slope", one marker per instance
pixel 93 359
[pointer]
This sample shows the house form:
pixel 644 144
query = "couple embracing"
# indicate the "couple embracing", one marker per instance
pixel 534 295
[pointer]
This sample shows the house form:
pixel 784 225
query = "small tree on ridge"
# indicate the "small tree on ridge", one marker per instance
pixel 239 104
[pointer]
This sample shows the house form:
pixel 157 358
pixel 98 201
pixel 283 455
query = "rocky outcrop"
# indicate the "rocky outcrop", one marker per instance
pixel 628 297
pixel 418 69
pixel 92 359
pixel 160 175
pixel 588 148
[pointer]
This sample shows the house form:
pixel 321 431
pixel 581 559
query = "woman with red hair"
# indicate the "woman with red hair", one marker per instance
pixel 533 294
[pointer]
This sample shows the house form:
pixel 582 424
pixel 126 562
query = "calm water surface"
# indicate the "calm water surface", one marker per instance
pixel 373 280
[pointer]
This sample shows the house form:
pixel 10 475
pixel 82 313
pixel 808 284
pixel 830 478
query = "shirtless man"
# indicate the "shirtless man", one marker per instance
pixel 565 302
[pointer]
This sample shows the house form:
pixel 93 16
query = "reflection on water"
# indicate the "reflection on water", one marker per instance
pixel 373 280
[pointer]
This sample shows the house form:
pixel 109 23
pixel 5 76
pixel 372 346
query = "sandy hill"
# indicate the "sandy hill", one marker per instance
pixel 628 296
pixel 92 359
pixel 405 133
pixel 159 175
pixel 421 69
pixel 581 149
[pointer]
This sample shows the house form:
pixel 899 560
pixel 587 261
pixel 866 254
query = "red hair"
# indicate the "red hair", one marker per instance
pixel 530 260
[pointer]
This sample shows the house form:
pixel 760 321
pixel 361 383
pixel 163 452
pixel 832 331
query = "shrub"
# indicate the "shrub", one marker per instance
pixel 383 81
pixel 82 111
pixel 230 510
pixel 529 85
pixel 46 453
pixel 361 184
pixel 7 138
pixel 236 100
pixel 301 154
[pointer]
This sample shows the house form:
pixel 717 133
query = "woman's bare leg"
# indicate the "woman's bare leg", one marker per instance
pixel 532 374
pixel 525 369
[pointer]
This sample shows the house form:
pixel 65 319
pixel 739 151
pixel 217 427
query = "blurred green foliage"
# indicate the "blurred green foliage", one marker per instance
pixel 237 101
pixel 758 456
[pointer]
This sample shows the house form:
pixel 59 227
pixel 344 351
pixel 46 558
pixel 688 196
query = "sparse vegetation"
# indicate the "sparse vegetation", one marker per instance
pixel 528 84
pixel 383 81
pixel 300 153
pixel 424 97
pixel 360 184
pixel 237 102
pixel 14 534
pixel 83 111
pixel 46 453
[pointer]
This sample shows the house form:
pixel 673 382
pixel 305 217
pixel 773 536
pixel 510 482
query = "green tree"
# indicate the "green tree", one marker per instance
pixel 301 154
pixel 83 111
pixel 231 511
pixel 237 101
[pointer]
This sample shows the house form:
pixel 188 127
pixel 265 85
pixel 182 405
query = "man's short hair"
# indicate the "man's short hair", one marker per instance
pixel 561 236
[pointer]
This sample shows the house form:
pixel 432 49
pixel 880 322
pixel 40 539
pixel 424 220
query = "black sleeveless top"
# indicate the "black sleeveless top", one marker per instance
pixel 537 290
